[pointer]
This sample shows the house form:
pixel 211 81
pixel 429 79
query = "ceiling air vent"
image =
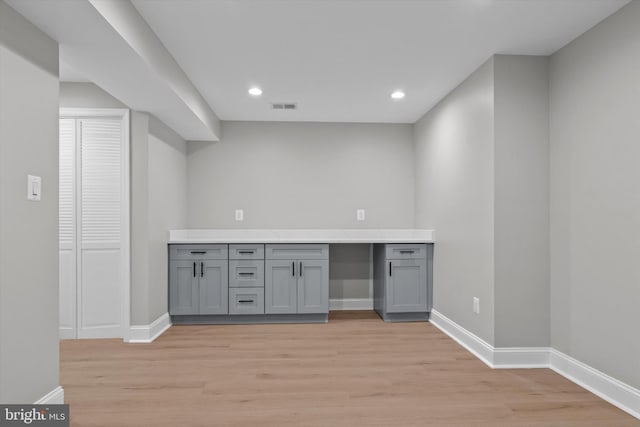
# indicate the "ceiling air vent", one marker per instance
pixel 284 106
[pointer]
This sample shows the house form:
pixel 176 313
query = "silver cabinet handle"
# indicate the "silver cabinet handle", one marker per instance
pixel 389 268
pixel 202 269
pixel 300 269
pixel 293 268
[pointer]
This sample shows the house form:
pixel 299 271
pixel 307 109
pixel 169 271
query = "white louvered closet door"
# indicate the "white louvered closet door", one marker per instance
pixel 68 290
pixel 99 296
pixel 91 220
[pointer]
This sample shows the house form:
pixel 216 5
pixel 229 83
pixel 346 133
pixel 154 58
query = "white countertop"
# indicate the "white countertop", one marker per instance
pixel 302 236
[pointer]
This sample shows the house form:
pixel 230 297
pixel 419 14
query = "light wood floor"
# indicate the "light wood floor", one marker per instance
pixel 354 371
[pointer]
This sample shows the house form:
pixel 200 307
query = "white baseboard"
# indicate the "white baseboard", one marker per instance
pixel 480 348
pixel 602 385
pixel 54 397
pixel 148 333
pixel 351 304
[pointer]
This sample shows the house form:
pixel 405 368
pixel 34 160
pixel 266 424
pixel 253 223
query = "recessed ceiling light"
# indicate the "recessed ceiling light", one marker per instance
pixel 398 94
pixel 255 91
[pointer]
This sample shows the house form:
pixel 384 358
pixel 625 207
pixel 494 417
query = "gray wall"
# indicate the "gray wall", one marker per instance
pixel 521 119
pixel 29 349
pixel 454 146
pixel 303 175
pixel 482 182
pixel 86 95
pixel 167 208
pixel 595 202
pixel 350 271
pixel 139 218
pixel 158 204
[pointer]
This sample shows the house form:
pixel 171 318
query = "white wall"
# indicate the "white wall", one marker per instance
pixel 595 196
pixel 29 346
pixel 303 175
pixel 454 161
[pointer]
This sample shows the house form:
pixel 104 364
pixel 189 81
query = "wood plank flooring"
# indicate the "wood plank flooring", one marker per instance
pixel 354 371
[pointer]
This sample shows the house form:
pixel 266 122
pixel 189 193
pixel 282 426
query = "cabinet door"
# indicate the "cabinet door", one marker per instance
pixel 214 287
pixel 313 286
pixel 406 286
pixel 183 287
pixel 280 287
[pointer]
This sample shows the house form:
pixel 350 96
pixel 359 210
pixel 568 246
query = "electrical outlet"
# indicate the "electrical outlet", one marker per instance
pixel 239 215
pixel 476 305
pixel 360 214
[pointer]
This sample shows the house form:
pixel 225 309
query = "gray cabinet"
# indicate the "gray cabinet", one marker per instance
pixel 246 279
pixel 246 251
pixel 183 288
pixel 297 279
pixel 246 274
pixel 280 287
pixel 214 287
pixel 198 252
pixel 198 279
pixel 402 281
pixel 313 286
pixel 406 288
pixel 246 300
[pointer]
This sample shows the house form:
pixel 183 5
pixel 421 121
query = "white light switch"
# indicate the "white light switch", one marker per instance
pixel 34 188
pixel 360 214
pixel 476 305
pixel 239 215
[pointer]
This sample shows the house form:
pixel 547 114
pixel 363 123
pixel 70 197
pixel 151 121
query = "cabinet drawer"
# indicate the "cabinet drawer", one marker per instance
pixel 193 252
pixel 297 251
pixel 406 251
pixel 246 274
pixel 246 300
pixel 246 251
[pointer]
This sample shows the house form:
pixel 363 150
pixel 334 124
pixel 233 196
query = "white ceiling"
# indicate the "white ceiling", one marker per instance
pixel 94 51
pixel 339 60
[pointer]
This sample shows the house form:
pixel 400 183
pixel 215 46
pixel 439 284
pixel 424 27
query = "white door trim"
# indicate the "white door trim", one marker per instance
pixel 124 115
